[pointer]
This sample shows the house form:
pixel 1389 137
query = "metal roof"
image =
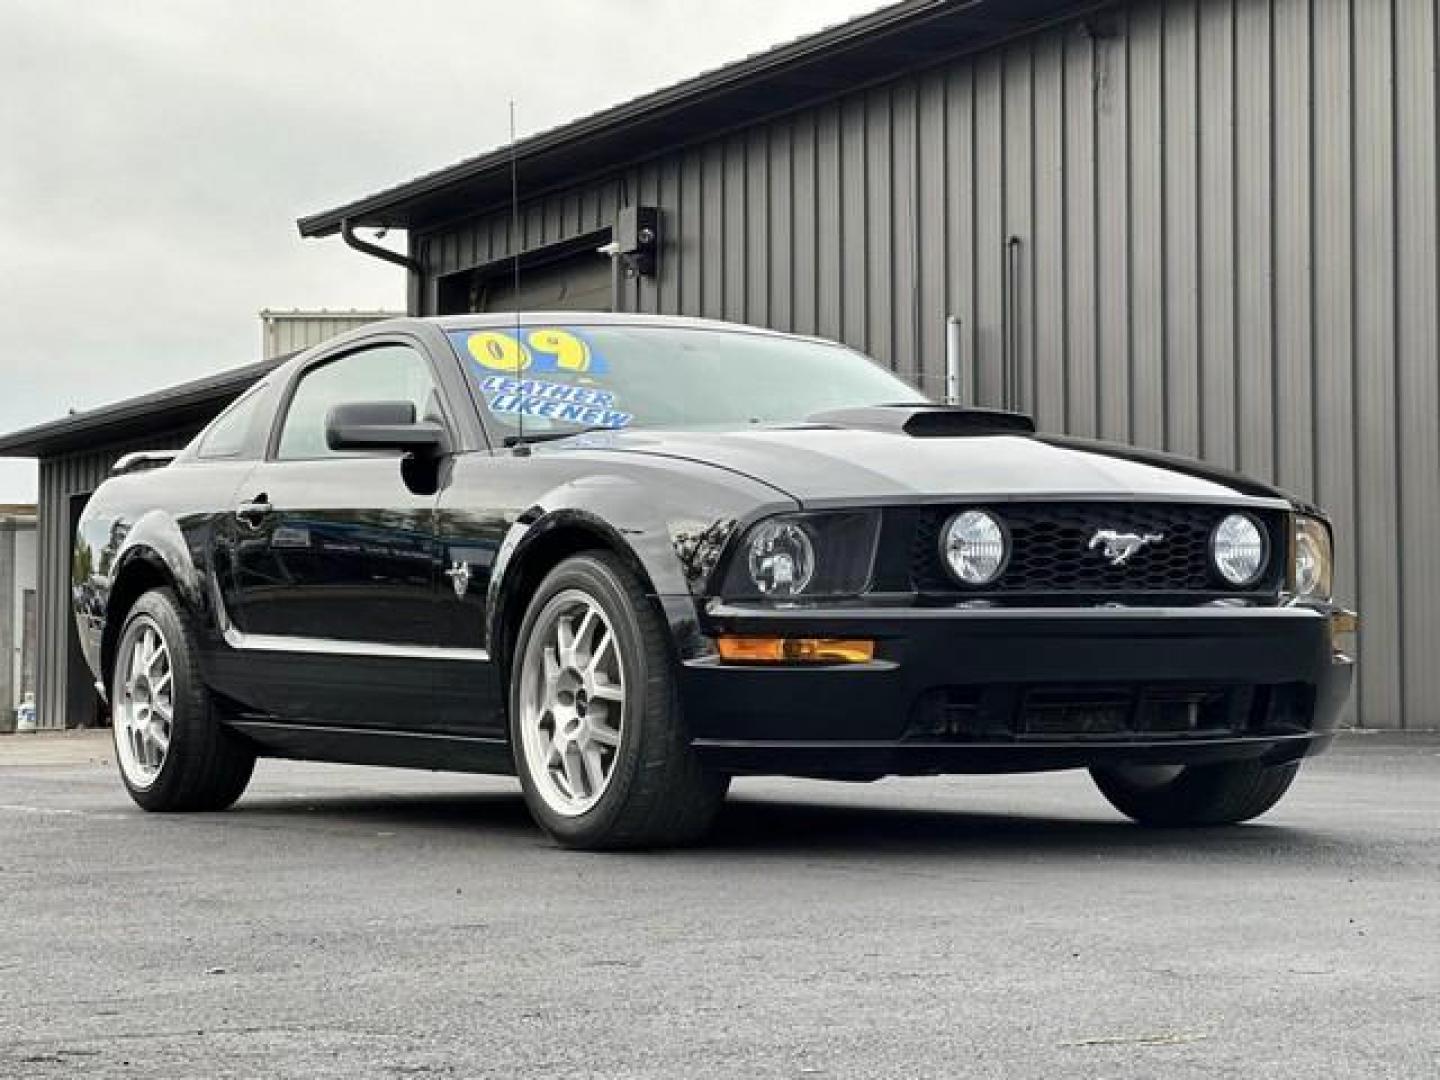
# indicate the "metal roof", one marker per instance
pixel 868 49
pixel 175 406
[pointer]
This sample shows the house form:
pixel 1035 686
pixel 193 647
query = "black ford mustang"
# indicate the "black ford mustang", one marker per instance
pixel 630 557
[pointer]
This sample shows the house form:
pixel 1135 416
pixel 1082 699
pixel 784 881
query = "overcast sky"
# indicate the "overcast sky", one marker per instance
pixel 154 155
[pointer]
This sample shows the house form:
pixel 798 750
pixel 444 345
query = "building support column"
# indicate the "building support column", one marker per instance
pixel 9 656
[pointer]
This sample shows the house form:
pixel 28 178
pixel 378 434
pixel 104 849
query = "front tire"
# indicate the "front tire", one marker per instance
pixel 595 725
pixel 1195 795
pixel 172 750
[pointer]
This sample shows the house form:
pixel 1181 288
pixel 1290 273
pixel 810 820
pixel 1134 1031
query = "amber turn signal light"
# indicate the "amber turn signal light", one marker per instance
pixel 774 650
pixel 1344 625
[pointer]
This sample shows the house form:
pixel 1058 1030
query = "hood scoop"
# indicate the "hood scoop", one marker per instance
pixel 143 459
pixel 927 421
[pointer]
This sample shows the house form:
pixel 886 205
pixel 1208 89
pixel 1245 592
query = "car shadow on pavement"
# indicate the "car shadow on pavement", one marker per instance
pixel 768 825
pixel 499 813
pixel 765 826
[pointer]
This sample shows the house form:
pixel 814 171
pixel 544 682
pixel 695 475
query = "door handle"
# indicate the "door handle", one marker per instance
pixel 254 512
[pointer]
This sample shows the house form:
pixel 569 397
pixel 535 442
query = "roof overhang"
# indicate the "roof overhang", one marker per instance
pixel 870 49
pixel 171 409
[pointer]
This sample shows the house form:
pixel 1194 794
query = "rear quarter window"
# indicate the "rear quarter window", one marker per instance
pixel 229 435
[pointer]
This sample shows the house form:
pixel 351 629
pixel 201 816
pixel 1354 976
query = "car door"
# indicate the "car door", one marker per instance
pixel 332 594
pixel 483 497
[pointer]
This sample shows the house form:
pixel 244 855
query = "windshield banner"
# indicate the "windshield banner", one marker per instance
pixel 586 405
pixel 507 361
pixel 531 351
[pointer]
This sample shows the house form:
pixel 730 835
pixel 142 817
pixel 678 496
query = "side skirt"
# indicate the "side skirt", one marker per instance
pixel 370 746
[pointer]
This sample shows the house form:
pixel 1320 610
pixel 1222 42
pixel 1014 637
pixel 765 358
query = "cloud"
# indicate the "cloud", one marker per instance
pixel 154 156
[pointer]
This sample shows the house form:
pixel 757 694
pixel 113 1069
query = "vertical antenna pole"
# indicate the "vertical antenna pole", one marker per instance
pixel 515 264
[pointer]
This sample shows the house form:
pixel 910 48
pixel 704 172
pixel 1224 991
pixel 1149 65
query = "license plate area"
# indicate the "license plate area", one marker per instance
pixel 1103 712
pixel 1087 711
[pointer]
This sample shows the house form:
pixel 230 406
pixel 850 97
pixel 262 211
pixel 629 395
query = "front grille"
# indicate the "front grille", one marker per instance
pixel 1051 552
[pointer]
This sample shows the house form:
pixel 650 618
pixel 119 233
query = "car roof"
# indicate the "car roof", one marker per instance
pixel 500 320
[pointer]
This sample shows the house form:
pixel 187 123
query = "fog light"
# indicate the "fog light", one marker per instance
pixel 775 650
pixel 1238 549
pixel 975 546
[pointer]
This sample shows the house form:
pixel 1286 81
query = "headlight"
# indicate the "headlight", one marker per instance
pixel 805 555
pixel 1238 549
pixel 782 559
pixel 1311 576
pixel 976 546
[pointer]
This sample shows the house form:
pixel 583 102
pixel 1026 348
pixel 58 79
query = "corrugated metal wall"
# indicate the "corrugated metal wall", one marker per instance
pixel 286 332
pixel 61 478
pixel 1226 222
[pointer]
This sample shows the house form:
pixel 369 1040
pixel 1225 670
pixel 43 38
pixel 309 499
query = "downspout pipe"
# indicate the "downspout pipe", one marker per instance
pixel 347 232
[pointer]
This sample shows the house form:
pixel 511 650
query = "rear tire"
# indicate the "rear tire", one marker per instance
pixel 1195 795
pixel 172 750
pixel 600 745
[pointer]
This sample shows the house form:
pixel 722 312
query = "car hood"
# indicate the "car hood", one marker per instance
pixel 818 465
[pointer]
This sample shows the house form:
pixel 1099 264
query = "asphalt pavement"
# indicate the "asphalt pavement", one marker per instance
pixel 345 922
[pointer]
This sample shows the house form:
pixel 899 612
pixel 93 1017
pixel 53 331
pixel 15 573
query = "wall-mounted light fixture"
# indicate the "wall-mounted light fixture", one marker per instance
pixel 637 239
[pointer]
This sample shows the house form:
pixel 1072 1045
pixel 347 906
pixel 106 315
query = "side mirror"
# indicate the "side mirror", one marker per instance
pixel 383 425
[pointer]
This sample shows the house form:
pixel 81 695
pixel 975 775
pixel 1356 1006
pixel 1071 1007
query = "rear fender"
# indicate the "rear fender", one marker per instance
pixel 152 554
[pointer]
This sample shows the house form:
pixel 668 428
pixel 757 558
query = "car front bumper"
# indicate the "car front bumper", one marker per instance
pixel 1018 690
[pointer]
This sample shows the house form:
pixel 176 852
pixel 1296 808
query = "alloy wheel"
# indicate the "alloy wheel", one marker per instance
pixel 572 703
pixel 143 712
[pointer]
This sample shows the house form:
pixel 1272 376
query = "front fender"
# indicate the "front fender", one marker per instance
pixel 630 516
pixel 670 549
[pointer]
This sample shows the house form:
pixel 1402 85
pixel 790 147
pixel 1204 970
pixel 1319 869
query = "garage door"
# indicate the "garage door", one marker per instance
pixel 579 282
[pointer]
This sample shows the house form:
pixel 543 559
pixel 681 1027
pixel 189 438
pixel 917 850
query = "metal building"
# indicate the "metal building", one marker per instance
pixel 18 601
pixel 1202 225
pixel 283 333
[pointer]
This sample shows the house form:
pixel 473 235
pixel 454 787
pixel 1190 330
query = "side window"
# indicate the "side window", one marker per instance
pixel 228 436
pixel 382 373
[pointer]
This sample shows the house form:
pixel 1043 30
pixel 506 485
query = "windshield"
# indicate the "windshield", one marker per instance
pixel 553 379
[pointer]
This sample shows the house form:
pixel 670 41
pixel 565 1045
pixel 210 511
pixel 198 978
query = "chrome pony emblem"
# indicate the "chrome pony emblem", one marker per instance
pixel 459 575
pixel 1118 547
